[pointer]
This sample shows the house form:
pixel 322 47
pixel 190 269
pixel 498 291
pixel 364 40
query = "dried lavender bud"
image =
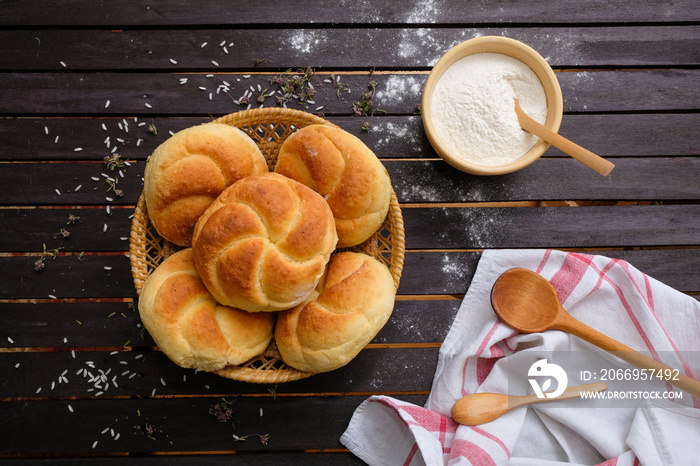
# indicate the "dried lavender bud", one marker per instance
pixel 39 264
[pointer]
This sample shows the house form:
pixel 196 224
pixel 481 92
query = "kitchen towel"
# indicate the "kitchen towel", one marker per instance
pixel 644 422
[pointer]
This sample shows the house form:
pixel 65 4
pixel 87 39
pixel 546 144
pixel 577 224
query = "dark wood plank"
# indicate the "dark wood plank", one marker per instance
pixel 134 373
pixel 342 458
pixel 291 423
pixel 609 135
pixel 71 276
pixel 80 94
pixel 451 272
pixel 337 48
pixel 72 184
pixel 57 138
pixel 552 227
pixel 47 227
pixel 66 325
pixel 414 182
pixel 320 458
pixel 179 12
pixel 426 228
pixel 425 272
pixel 632 179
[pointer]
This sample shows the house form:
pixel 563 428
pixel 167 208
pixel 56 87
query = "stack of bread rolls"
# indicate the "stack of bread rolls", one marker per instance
pixel 260 249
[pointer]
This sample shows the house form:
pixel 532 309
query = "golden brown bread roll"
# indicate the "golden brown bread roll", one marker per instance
pixel 264 243
pixel 190 327
pixel 350 305
pixel 341 168
pixel 190 169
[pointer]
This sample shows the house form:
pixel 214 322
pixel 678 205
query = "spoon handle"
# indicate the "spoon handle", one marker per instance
pixel 588 158
pixel 569 393
pixel 660 370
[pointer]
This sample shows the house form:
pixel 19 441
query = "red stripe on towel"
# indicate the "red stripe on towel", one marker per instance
pixel 603 277
pixel 479 351
pixel 648 297
pixel 569 275
pixel 490 436
pixel 544 260
pixel 411 454
pixel 471 451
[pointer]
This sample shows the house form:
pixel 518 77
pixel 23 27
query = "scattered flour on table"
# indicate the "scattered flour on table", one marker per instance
pixel 304 41
pixel 473 110
pixel 399 88
pixel 424 11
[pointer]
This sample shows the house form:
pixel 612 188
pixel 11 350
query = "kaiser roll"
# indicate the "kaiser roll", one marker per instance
pixel 190 169
pixel 341 168
pixel 190 327
pixel 350 305
pixel 264 243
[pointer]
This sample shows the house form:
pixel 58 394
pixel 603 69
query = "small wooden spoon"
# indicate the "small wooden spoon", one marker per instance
pixel 596 162
pixel 527 302
pixel 480 408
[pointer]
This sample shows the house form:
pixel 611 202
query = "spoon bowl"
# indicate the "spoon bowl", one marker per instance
pixel 527 303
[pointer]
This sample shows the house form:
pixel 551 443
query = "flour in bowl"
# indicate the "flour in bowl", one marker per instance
pixel 473 110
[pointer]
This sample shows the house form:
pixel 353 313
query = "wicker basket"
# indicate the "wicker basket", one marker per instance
pixel 268 127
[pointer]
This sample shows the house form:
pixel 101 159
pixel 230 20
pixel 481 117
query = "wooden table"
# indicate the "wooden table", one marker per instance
pixel 80 78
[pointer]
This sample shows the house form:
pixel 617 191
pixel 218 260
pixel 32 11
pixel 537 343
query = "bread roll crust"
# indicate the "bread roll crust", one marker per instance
pixel 341 168
pixel 264 243
pixel 190 169
pixel 190 326
pixel 350 305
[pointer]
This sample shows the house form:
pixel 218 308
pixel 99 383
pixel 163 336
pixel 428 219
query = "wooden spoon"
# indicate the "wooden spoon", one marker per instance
pixel 480 408
pixel 596 162
pixel 527 302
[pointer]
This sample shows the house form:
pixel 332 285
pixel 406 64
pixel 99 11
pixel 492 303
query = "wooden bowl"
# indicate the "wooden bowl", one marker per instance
pixel 518 51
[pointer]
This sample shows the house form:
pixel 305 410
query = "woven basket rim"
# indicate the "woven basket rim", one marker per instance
pixel 144 252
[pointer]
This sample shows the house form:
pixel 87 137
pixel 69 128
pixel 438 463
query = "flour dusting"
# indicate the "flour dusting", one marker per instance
pixel 305 41
pixel 399 88
pixel 423 11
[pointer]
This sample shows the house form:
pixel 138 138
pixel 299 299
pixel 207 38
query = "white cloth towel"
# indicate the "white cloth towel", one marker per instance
pixel 641 425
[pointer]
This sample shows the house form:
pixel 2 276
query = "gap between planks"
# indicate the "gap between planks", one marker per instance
pixel 267 394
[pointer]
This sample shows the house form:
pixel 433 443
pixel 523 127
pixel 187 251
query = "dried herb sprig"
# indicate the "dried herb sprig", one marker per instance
pixel 339 87
pixel 112 186
pixel 273 391
pixel 257 61
pixel 262 95
pixel 295 85
pixel 366 105
pixel 222 411
pixel 113 161
pixel 264 438
pixel 242 100
pixel 41 262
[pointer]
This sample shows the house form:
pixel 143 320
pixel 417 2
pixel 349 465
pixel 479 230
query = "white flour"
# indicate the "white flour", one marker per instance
pixel 473 110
